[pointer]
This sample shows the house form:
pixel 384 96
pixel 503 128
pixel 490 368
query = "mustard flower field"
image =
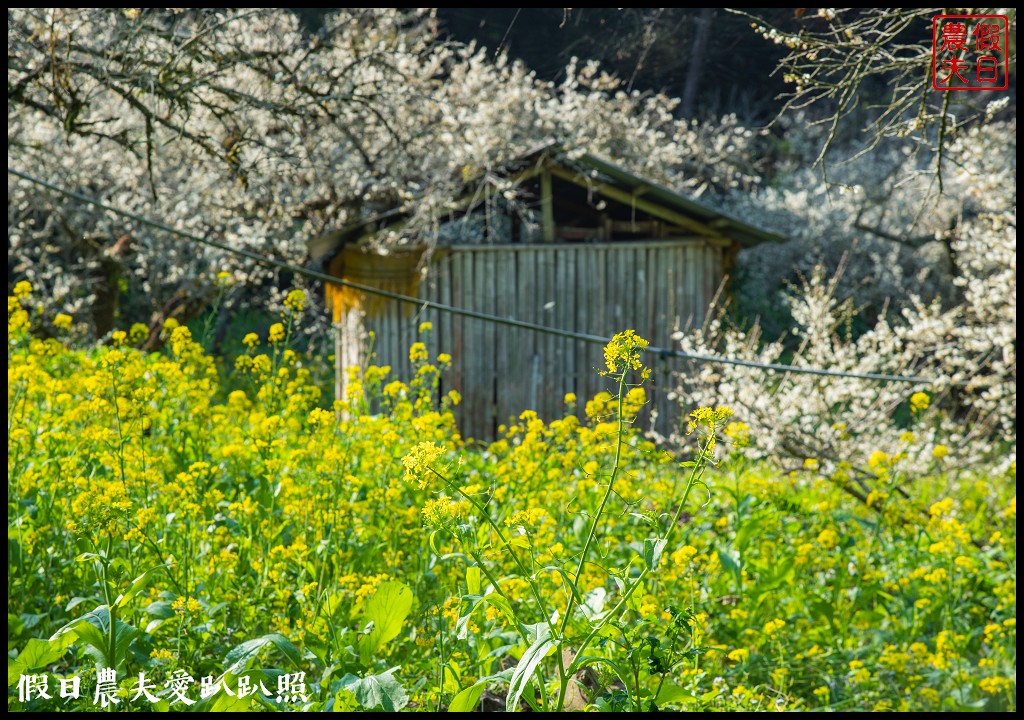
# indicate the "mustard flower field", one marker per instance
pixel 173 544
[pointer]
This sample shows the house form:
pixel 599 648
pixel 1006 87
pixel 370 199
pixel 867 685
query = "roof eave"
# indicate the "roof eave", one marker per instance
pixel 745 234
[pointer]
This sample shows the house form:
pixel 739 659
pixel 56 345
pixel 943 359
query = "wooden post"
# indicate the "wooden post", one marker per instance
pixel 535 379
pixel 547 208
pixel 339 365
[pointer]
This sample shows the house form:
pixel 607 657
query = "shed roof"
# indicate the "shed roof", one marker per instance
pixel 603 176
pixel 744 233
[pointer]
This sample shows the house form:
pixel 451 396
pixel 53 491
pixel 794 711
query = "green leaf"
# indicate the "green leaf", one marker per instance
pixel 230 703
pixel 653 548
pixel 673 695
pixel 387 609
pixel 823 609
pixel 381 690
pixel 344 700
pixel 37 653
pixel 238 657
pixel 30 620
pixel 452 678
pixel 15 627
pixel 287 647
pixel 138 584
pixel 333 604
pixel 473 580
pixel 503 606
pixel 160 609
pixel 730 560
pixel 594 603
pixel 783 574
pixel 636 599
pixel 537 632
pixel 93 630
pixel 525 670
pixel 745 504
pixel 222 701
pixel 462 626
pixel 81 629
pixel 746 532
pixel 74 602
pixel 466 700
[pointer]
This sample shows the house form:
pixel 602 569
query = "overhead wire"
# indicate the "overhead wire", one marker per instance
pixel 451 309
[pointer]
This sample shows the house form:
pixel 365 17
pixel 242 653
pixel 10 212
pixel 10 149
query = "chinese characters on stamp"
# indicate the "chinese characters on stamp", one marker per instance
pixel 969 52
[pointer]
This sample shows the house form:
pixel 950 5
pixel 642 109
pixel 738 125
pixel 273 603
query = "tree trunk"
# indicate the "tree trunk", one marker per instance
pixel 702 32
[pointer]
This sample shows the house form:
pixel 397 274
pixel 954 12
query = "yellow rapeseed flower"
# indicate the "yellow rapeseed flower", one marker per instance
pixel 138 332
pixel 418 353
pixel 919 401
pixel 418 462
pixel 62 321
pixel 940 508
pixel 828 538
pixel 739 433
pixel 443 512
pixel 739 655
pixel 878 460
pixel 996 685
pixel 319 416
pixel 526 518
pixel 395 389
pixel 707 417
pixel 684 555
pixel 295 301
pixel 623 353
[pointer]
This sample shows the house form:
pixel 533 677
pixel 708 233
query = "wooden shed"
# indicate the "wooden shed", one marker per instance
pixel 598 251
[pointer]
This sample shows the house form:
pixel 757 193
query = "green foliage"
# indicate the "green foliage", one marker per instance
pixel 377 691
pixel 346 559
pixel 383 617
